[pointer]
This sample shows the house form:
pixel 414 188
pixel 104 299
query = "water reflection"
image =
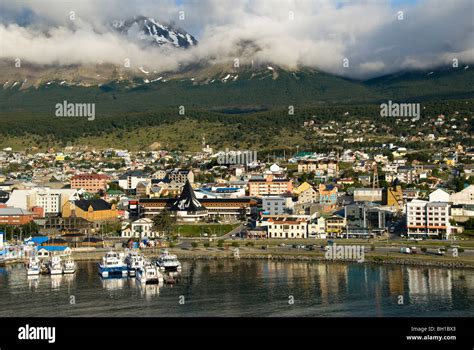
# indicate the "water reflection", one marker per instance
pixel 56 281
pixel 33 282
pixel 149 290
pixel 112 284
pixel 253 288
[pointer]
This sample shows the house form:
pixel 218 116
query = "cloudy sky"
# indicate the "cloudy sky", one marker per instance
pixel 290 33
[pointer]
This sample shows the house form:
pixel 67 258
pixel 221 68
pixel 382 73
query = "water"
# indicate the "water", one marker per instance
pixel 246 288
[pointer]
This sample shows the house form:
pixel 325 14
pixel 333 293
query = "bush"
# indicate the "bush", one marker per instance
pixel 372 248
pixel 423 249
pixel 207 244
pixel 171 245
pixel 194 244
pixel 249 244
pixel 220 243
pixel 235 244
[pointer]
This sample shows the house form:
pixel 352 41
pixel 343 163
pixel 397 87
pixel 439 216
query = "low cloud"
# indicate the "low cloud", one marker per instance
pixel 319 34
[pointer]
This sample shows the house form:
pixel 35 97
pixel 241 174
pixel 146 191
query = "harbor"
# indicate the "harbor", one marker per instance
pixel 231 287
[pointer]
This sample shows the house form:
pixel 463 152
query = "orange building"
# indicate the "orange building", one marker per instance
pixel 15 216
pixel 269 186
pixel 96 210
pixel 90 182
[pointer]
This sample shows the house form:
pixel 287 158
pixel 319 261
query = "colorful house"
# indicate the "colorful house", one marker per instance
pixel 327 194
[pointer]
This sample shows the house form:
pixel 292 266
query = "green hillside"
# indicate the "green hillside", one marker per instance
pixel 251 110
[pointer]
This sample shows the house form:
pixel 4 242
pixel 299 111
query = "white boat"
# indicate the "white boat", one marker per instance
pixel 33 267
pixel 149 274
pixel 135 262
pixel 70 266
pixel 112 265
pixel 168 262
pixel 55 266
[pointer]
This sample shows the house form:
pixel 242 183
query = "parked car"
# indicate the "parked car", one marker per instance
pixel 405 250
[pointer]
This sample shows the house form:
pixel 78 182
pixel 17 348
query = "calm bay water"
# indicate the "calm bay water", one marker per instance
pixel 246 288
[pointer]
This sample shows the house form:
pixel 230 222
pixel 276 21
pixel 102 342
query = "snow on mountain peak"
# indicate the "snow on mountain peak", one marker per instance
pixel 151 31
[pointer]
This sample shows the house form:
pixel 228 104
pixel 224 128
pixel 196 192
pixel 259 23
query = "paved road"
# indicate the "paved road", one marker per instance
pixel 233 232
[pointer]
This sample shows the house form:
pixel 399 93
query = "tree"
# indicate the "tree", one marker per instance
pixel 164 222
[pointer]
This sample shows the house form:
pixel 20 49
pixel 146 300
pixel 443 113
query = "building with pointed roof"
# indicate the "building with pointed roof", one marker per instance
pixel 187 208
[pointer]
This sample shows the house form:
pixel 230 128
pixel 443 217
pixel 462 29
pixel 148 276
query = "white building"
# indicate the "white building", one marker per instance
pixel 51 200
pixel 277 205
pixel 428 219
pixel 141 228
pixel 287 227
pixel 130 180
pixel 439 196
pixel 464 197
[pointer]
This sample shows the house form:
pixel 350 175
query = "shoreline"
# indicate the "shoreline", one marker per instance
pixel 319 258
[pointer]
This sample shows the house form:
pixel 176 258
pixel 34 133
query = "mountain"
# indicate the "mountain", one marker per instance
pixel 151 32
pixel 243 89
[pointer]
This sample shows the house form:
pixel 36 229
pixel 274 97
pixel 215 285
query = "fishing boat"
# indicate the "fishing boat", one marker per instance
pixel 135 262
pixel 113 265
pixel 168 262
pixel 149 274
pixel 70 266
pixel 33 267
pixel 55 266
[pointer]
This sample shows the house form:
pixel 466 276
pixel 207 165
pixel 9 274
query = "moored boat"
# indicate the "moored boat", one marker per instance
pixel 149 274
pixel 55 266
pixel 168 262
pixel 33 267
pixel 135 262
pixel 70 266
pixel 113 265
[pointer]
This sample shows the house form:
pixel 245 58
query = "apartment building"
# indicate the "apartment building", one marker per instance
pixel 270 185
pixel 428 219
pixel 181 176
pixel 90 182
pixel 277 205
pixel 130 180
pixel 51 200
pixel 405 174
